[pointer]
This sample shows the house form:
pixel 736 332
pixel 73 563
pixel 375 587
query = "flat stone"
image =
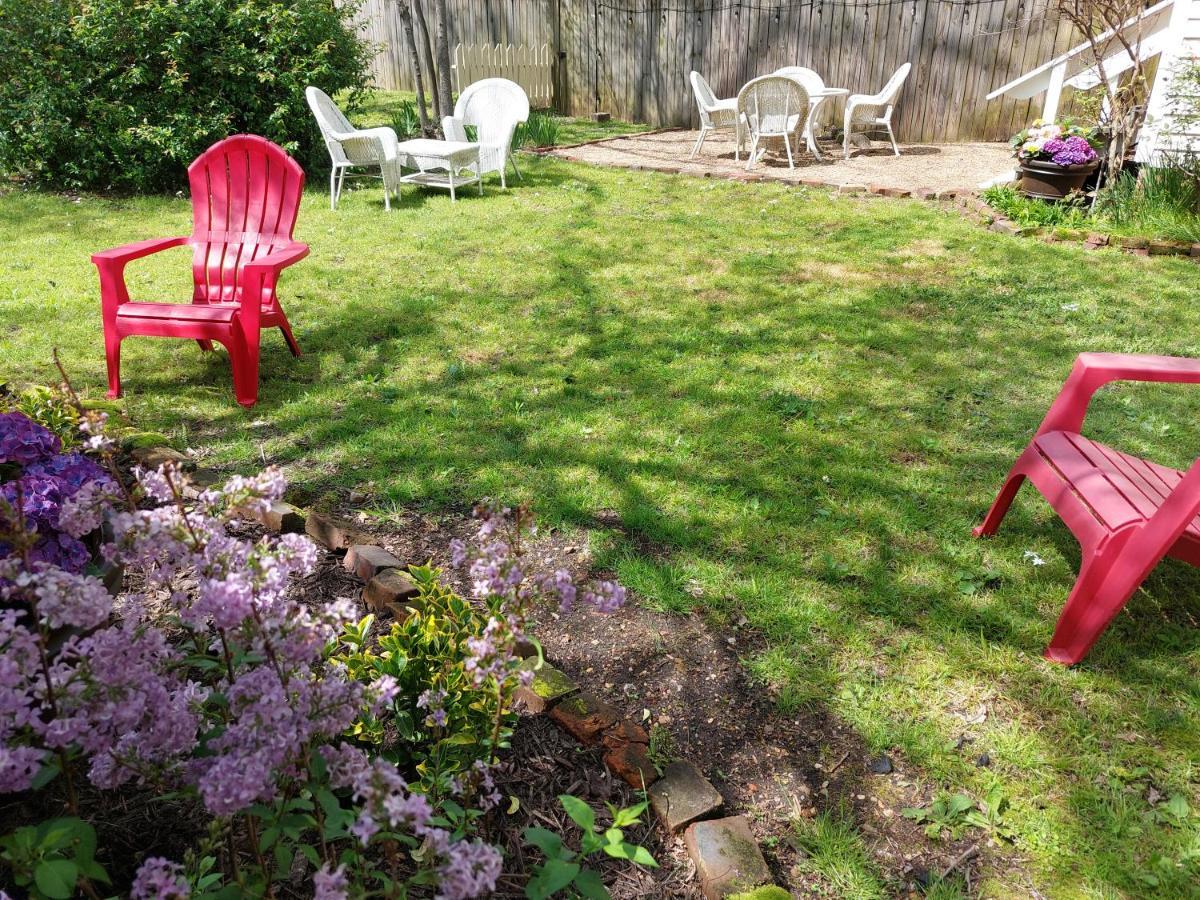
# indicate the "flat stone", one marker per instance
pixel 392 591
pixel 198 482
pixel 1095 237
pixel 1130 243
pixel 946 195
pixel 367 560
pixel 631 763
pixel 682 795
pixel 882 765
pixel 1195 251
pixel 1168 248
pixel 153 457
pixel 584 717
pixel 549 685
pixel 331 533
pixel 625 733
pixel 1005 226
pixel 281 517
pixel 727 857
pixel 851 188
pixel 601 116
pixel 925 194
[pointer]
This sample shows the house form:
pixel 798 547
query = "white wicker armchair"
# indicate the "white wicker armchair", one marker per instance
pixel 494 107
pixel 772 106
pixel 354 148
pixel 874 111
pixel 714 114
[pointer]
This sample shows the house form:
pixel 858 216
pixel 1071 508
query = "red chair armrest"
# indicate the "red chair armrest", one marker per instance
pixel 278 259
pixel 130 252
pixel 1094 370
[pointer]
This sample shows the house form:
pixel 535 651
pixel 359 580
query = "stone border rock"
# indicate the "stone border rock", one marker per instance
pixel 723 850
pixel 978 209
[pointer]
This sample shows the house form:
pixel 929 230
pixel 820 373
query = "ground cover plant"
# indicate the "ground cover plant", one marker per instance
pixel 796 405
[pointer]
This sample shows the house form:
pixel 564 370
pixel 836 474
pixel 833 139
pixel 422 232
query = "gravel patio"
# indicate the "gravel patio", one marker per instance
pixel 920 167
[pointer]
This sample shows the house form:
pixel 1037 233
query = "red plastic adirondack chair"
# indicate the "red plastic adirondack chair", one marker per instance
pixel 245 196
pixel 1126 512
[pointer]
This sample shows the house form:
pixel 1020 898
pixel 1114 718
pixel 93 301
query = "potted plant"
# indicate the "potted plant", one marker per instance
pixel 1055 158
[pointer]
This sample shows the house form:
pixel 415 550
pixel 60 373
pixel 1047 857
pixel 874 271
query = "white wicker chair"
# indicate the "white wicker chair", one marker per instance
pixel 494 107
pixel 354 148
pixel 714 114
pixel 874 111
pixel 772 106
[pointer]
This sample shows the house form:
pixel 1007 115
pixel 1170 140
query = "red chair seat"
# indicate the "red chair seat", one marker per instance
pixel 180 312
pixel 1127 512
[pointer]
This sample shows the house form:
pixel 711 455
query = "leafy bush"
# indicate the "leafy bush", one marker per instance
pixel 441 720
pixel 1161 201
pixel 110 94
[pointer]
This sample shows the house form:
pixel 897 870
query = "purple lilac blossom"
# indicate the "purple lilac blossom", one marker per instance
pixel 160 879
pixel 330 885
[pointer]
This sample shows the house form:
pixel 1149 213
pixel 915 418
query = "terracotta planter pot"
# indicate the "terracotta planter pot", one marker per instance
pixel 1050 181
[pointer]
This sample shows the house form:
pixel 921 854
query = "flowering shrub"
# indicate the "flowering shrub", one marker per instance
pixel 215 681
pixel 1063 144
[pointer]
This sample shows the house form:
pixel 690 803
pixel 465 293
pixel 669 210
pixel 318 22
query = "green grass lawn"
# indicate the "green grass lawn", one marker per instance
pixel 801 404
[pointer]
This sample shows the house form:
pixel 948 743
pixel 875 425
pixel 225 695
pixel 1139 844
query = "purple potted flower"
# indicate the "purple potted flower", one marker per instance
pixel 1055 159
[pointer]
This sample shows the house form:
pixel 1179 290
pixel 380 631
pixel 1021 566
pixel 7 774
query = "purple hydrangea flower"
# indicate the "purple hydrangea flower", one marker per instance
pixel 24 441
pixel 1069 151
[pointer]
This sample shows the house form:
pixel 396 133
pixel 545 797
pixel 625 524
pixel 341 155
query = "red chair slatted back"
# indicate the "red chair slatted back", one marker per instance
pixel 245 197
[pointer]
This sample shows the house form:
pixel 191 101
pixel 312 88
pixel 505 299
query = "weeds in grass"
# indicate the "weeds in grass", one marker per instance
pixel 836 853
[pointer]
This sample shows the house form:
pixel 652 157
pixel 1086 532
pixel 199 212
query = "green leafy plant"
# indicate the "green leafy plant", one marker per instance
pixel 426 653
pixel 405 120
pixel 954 813
pixel 115 95
pixel 662 748
pixel 541 130
pixel 563 869
pixel 51 859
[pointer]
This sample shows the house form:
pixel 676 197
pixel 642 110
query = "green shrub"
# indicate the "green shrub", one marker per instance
pixel 427 655
pixel 1162 201
pixel 1030 212
pixel 113 94
pixel 406 122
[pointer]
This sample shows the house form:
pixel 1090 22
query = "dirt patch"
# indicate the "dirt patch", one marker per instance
pixel 918 167
pixel 684 681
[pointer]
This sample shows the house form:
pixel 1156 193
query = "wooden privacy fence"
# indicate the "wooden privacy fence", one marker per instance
pixel 530 67
pixel 632 57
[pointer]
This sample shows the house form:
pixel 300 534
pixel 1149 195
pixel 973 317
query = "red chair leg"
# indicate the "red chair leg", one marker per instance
pixel 1099 594
pixel 205 346
pixel 112 356
pixel 244 361
pixel 1000 506
pixel 287 336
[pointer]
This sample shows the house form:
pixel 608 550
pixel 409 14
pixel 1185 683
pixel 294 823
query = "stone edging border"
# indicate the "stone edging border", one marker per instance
pixel 976 208
pixel 723 848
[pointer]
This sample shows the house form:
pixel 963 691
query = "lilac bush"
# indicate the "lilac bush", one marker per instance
pixel 215 680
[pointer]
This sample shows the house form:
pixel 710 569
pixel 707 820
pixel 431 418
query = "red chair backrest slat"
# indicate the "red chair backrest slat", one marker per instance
pixel 245 197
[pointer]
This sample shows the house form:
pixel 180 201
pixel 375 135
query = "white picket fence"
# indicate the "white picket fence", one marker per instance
pixel 530 67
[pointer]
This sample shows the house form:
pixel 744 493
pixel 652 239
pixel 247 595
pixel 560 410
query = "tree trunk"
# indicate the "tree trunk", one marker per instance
pixel 419 15
pixel 445 86
pixel 415 58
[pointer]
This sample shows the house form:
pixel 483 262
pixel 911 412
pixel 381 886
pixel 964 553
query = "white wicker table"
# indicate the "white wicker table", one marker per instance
pixel 439 164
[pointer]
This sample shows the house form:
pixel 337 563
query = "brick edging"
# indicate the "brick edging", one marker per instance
pixel 685 803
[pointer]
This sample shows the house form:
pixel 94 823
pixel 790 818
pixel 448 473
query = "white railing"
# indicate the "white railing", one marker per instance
pixel 530 67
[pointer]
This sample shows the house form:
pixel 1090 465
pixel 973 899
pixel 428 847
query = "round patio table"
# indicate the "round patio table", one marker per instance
pixel 817 100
